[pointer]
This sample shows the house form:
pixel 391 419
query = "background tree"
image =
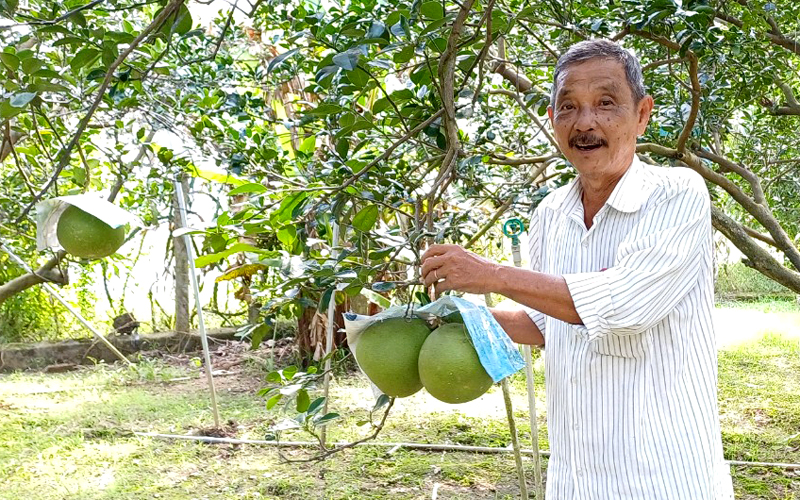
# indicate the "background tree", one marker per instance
pixel 404 123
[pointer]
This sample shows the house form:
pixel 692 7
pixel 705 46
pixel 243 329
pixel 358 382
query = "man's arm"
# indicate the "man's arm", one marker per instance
pixel 450 267
pixel 519 326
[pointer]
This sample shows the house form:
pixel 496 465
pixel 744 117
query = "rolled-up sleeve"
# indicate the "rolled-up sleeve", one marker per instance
pixel 535 259
pixel 656 266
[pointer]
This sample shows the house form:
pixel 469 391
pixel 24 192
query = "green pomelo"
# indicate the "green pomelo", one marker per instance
pixel 453 317
pixel 388 352
pixel 449 366
pixel 84 235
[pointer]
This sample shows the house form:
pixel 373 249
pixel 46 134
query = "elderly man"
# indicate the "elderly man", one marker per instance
pixel 620 292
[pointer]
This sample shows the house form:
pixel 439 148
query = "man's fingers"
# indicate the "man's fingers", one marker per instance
pixel 431 263
pixel 435 250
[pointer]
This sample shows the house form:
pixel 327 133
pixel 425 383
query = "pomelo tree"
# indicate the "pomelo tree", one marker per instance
pixel 401 122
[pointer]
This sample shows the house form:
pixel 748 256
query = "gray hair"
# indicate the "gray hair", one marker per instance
pixel 601 49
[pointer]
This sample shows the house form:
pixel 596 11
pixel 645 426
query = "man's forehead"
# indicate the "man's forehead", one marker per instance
pixel 601 84
pixel 585 75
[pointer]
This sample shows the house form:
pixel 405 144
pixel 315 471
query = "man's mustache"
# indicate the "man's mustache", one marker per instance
pixel 586 138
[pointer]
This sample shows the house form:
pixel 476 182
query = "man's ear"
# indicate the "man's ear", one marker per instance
pixel 645 107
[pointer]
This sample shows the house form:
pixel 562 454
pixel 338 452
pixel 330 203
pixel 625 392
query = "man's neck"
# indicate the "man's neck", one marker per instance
pixel 595 194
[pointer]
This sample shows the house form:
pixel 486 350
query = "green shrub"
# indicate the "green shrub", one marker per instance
pixel 736 279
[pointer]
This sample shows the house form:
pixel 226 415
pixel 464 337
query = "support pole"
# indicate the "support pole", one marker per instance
pixel 512 426
pixel 538 484
pixel 329 336
pixel 200 323
pixel 513 228
pixel 52 291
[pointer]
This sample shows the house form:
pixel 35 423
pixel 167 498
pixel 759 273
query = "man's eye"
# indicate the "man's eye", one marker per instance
pixel 567 107
pixel 606 102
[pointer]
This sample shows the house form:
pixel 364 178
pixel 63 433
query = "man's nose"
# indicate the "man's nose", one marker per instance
pixel 586 119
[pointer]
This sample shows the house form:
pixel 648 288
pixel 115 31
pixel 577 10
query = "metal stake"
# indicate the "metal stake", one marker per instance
pixel 200 323
pixel 329 336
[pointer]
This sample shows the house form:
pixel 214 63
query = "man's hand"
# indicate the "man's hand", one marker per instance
pixel 450 267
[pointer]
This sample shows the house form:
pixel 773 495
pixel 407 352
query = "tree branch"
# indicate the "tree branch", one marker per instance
pixel 760 212
pixel 47 272
pixel 533 117
pixel 760 259
pixel 775 38
pixel 64 157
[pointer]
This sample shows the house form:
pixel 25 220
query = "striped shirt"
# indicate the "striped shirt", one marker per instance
pixel 631 394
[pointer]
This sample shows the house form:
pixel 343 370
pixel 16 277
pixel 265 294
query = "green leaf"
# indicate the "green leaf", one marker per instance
pixel 342 147
pixel 120 36
pixel 280 58
pixel 315 406
pixel 366 218
pixel 180 23
pixel 9 7
pixel 10 60
pixel 69 40
pixel 289 372
pixel 382 401
pixel 383 286
pixel 287 235
pixel 273 401
pixel 308 145
pixel 205 260
pixel 274 377
pixel 325 419
pixel 110 53
pixel 258 334
pixel 21 99
pixel 358 77
pixel 325 108
pixel 303 401
pixel 377 298
pixel 376 30
pixel 32 65
pixel 325 73
pixel 289 206
pixel 348 60
pixel 7 110
pixel 250 187
pixel 84 57
pixel 432 10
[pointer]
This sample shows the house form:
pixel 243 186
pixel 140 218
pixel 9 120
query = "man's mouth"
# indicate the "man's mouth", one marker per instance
pixel 587 142
pixel 588 147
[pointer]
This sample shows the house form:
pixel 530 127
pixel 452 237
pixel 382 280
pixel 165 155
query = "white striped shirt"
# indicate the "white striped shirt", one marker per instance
pixel 632 395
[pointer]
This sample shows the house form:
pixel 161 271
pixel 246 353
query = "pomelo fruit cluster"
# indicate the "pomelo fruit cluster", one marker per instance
pixel 401 356
pixel 85 236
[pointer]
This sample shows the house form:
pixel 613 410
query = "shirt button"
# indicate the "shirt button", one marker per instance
pixel 574 380
pixel 579 472
pixel 575 426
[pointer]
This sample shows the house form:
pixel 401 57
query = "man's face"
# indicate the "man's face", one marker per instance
pixel 595 118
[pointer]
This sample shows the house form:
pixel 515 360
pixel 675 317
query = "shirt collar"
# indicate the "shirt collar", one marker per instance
pixel 632 190
pixel 629 194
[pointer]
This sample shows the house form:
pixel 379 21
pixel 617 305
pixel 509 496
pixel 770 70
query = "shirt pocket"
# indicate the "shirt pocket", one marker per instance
pixel 622 346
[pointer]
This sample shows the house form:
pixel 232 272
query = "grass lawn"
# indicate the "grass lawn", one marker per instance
pixel 78 443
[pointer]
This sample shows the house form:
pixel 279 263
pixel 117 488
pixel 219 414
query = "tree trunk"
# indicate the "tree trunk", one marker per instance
pixel 181 266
